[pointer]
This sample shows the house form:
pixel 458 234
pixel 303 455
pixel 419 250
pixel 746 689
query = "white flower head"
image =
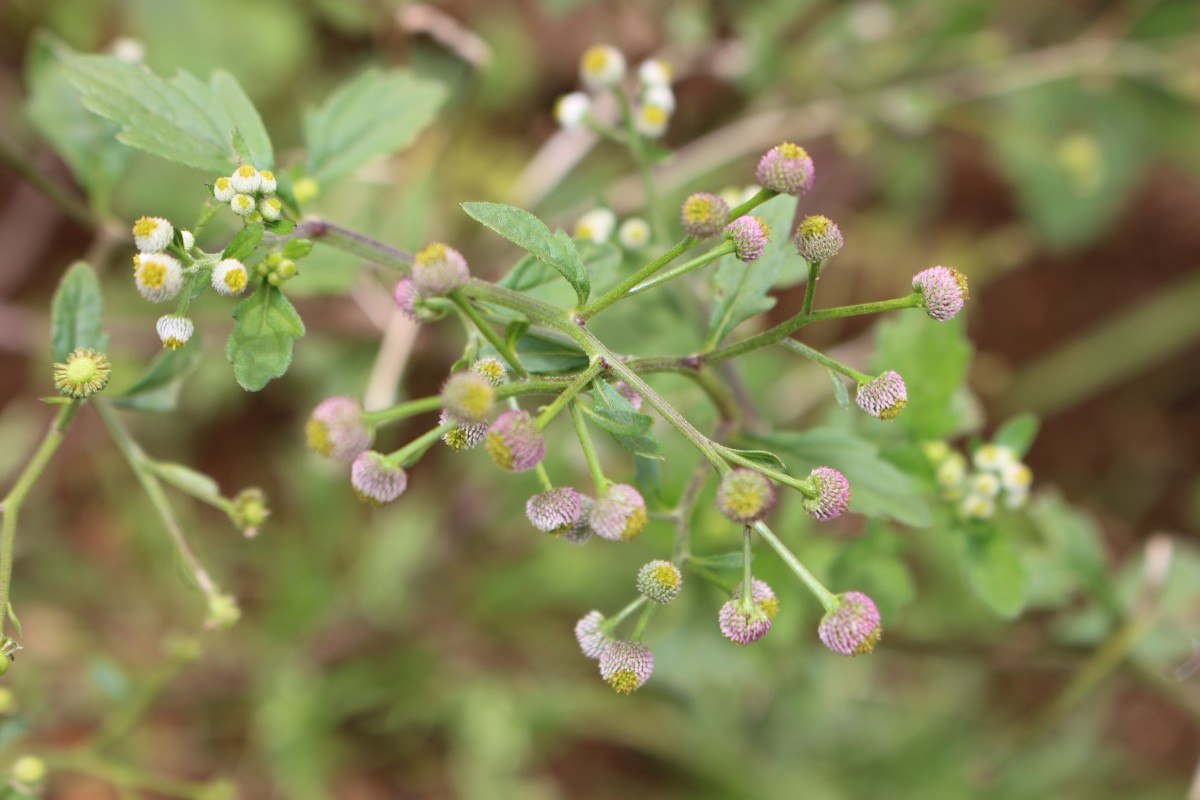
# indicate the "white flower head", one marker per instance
pixel 128 49
pixel 152 234
pixel 175 331
pixel 952 471
pixel 267 183
pixel 634 233
pixel 571 109
pixel 975 506
pixel 245 179
pixel 242 204
pixel 601 67
pixel 993 457
pixel 158 276
pixel 660 96
pixel 229 277
pixel 1015 500
pixel 596 225
pixel 985 484
pixel 1016 477
pixel 655 72
pixel 223 189
pixel 189 240
pixel 651 120
pixel 270 208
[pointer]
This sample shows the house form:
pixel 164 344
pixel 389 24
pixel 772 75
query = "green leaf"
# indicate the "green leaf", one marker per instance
pixel 244 242
pixel 764 457
pixel 932 357
pixel 877 487
pixel 1018 433
pixel 840 393
pixel 157 388
pixel 730 560
pixel 994 571
pixel 629 428
pixel 75 313
pixel 530 233
pixel 187 480
pixel 648 479
pixel 514 331
pixel 260 344
pixel 297 248
pixel 182 120
pixel 280 227
pixel 872 564
pixel 543 356
pixel 376 114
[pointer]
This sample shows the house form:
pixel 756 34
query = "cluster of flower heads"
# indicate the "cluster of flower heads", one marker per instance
pixel 599 224
pixel 998 477
pixel 249 193
pixel 603 68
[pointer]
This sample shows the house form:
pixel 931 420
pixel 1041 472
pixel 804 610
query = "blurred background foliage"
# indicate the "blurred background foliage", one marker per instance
pixel 1048 150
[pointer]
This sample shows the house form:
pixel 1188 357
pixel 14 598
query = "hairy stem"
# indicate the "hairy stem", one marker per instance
pixel 351 242
pixel 581 382
pixel 827 598
pixel 825 361
pixel 617 292
pixel 589 450
pixel 489 333
pixel 723 249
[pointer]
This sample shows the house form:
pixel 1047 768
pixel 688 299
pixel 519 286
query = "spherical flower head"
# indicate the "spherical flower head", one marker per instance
pixel 266 182
pixel 985 484
pixel 581 531
pixel 787 169
pixel 438 270
pixel 491 369
pixel 223 612
pixel 626 666
pixel 406 295
pixel 851 629
pixel 630 394
pixel 833 494
pixel 762 595
pixel 152 234
pixel 84 373
pixel 223 190
pixel 993 457
pixel 745 496
pixel 271 208
pixel 660 97
pixel 977 507
pixel 515 443
pixel 245 179
pixel 634 233
pixel 557 510
pixel 571 110
pixel 27 774
pixel 189 240
pixel 952 471
pixel 943 291
pixel 468 397
pixel 590 635
pixel 596 225
pixel 1016 477
pixel 619 515
pixel 250 511
pixel 242 204
pixel 376 481
pixel 464 435
pixel 601 67
pixel 818 239
pixel 659 581
pixel 655 72
pixel 703 215
pixel 175 331
pixel 306 189
pixel 336 429
pixel 749 236
pixel 158 276
pixel 229 277
pixel 650 120
pixel 742 626
pixel 884 397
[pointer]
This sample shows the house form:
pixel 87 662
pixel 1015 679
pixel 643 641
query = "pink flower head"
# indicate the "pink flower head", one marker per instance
pixel 851 629
pixel 515 443
pixel 749 236
pixel 745 495
pixel 943 291
pixel 464 435
pixel 406 295
pixel 619 515
pixel 626 666
pixel 703 215
pixel 659 581
pixel 884 397
pixel 336 429
pixel 818 239
pixel 375 480
pixel 438 270
pixel 556 510
pixel 590 635
pixel 833 493
pixel 787 169
pixel 742 625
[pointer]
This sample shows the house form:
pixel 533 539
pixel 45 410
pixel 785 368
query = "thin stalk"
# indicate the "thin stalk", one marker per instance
pixel 411 453
pixel 810 289
pixel 754 202
pixel 723 249
pixel 611 623
pixel 409 408
pixel 827 598
pixel 125 777
pixel 163 471
pixel 637 148
pixel 489 333
pixel 356 244
pixel 589 449
pixel 617 292
pixel 643 621
pixel 543 476
pixel 747 572
pixel 825 361
pixel 568 394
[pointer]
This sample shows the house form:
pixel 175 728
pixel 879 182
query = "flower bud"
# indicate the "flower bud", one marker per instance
pixel 336 429
pixel 491 369
pixel 175 331
pixel 468 397
pixel 189 240
pixel 985 484
pixel 601 67
pixel 742 626
pixel 655 72
pixel 28 773
pixel 704 215
pixel 749 236
pixel 152 234
pixel 514 442
pixel 571 110
pixel 884 397
pixel 1016 477
pixel 438 270
pixel 626 666
pixel 596 225
pixel 245 179
pixel 229 277
pixel 943 292
pixel 158 276
pixel 376 480
pixel 223 190
pixel 619 515
pixel 787 169
pixel 271 208
pixel 634 233
pixel 250 511
pixel 851 629
pixel 557 510
pixel 833 494
pixel 745 496
pixel 952 472
pixel 306 189
pixel 651 120
pixel 84 373
pixel 993 457
pixel 659 581
pixel 223 612
pixel 267 183
pixel 242 204
pixel 464 435
pixel 977 507
pixel 818 239
pixel 406 295
pixel 590 635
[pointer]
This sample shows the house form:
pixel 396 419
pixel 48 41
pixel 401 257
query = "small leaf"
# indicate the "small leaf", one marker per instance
pixel 530 233
pixel 932 357
pixel 297 248
pixel 187 480
pixel 629 428
pixel 648 479
pixel 994 571
pixel 280 227
pixel 514 331
pixel 731 560
pixel 260 345
pixel 840 393
pixel 157 388
pixel 544 356
pixel 75 316
pixel 244 242
pixel 1018 433
pixel 764 457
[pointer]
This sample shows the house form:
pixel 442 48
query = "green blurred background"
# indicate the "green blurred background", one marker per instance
pixel 1048 150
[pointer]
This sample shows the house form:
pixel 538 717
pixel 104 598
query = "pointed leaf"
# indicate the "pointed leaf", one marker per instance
pixel 260 344
pixel 527 231
pixel 994 571
pixel 158 387
pixel 75 317
pixel 244 242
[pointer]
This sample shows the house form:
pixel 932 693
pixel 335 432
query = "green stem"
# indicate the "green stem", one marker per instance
pixel 125 777
pixel 643 621
pixel 589 450
pixel 828 599
pixel 747 572
pixel 617 292
pixel 611 623
pixel 568 394
pixel 411 453
pixel 16 496
pixel 754 202
pixel 801 485
pixel 409 408
pixel 825 361
pixel 723 249
pixel 489 333
pixel 543 476
pixel 637 148
pixel 348 241
pixel 165 471
pixel 810 289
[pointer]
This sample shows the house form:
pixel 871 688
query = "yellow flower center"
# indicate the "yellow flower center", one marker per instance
pixel 244 201
pixel 634 524
pixel 624 681
pixel 235 279
pixel 499 450
pixel 654 115
pixel 814 226
pixel 317 434
pixel 172 343
pixel 267 175
pixel 432 252
pixel 961 280
pixel 246 171
pixel 666 575
pixel 222 183
pixel 153 274
pixel 792 151
pixel 595 60
pixel 145 226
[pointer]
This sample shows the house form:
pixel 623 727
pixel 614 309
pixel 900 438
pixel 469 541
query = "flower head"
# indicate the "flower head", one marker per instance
pixel 884 397
pixel 659 581
pixel 650 120
pixel 406 295
pixel 749 236
pixel 620 514
pixel 660 97
pixel 851 629
pixel 818 239
pixel 464 435
pixel 27 775
pixel 634 233
pixel 703 215
pixel 787 169
pixel 571 109
pixel 245 179
pixel 601 67
pixel 223 612
pixel 438 270
pixel 336 429
pixel 242 204
pixel 744 623
pixel 266 182
pixel 250 511
pixel 943 291
pixel 152 234
pixel 590 634
pixel 833 493
pixel 977 507
pixel 514 442
pixel 158 276
pixel 84 373
pixel 376 481
pixel 175 331
pixel 626 666
pixel 596 225
pixel 271 208
pixel 223 190
pixel 655 72
pixel 468 397
pixel 745 495
pixel 557 510
pixel 993 457
pixel 491 369
pixel 229 277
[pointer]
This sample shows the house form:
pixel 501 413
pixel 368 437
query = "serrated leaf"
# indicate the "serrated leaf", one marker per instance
pixel 932 357
pixel 260 344
pixel 76 313
pixel 1018 433
pixel 297 248
pixel 629 427
pixel 764 457
pixel 544 356
pixel 376 114
pixel 840 393
pixel 157 388
pixel 182 120
pixel 995 571
pixel 244 242
pixel 530 233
